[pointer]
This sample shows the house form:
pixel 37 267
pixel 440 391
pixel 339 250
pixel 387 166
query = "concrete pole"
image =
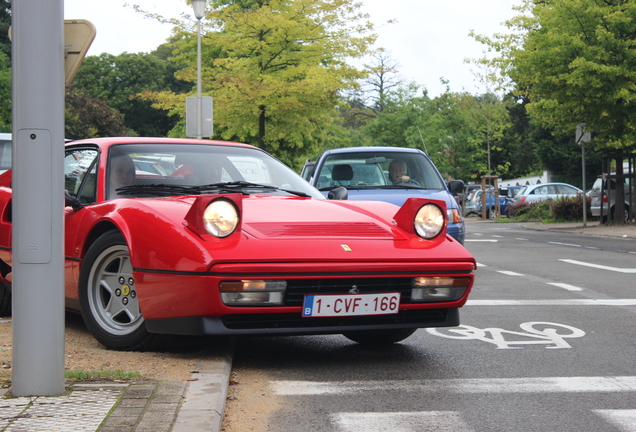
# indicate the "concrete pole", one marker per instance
pixel 38 197
pixel 199 101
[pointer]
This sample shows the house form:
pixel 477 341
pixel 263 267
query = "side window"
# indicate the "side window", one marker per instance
pixel 5 155
pixel 80 174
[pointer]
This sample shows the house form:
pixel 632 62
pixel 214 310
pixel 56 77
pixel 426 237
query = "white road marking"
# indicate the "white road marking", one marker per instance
pixel 401 421
pixel 563 302
pixel 564 244
pixel 625 420
pixel 497 236
pixel 552 335
pixel 522 239
pixel 482 241
pixel 593 384
pixel 565 286
pixel 481 265
pixel 598 266
pixel 509 273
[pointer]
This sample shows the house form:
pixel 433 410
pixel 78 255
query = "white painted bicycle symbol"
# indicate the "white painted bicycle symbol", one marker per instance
pixel 537 332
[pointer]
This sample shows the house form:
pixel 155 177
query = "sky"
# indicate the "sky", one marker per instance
pixel 428 42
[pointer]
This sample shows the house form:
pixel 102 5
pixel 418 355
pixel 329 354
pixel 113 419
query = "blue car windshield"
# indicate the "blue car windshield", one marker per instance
pixel 378 170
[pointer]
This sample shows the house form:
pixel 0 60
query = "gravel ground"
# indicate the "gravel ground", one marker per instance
pixel 83 353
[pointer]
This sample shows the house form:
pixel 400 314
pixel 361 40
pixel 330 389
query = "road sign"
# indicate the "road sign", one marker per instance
pixel 78 37
pixel 580 135
pixel 199 110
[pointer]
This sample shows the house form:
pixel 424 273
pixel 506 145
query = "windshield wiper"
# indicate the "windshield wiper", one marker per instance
pixel 243 185
pixel 162 189
pixel 396 186
pixel 401 186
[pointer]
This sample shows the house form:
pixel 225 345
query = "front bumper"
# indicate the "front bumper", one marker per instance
pixel 457 231
pixel 294 324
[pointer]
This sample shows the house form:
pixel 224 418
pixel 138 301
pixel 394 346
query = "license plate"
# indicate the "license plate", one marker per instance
pixel 351 304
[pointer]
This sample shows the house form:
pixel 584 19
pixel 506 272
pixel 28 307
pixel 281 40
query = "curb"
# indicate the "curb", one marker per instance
pixel 204 400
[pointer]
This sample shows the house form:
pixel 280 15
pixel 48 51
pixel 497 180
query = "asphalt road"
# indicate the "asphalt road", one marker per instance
pixel 546 344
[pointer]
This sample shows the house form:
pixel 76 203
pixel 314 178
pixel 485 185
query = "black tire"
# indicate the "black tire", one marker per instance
pixel 107 296
pixel 379 337
pixel 613 212
pixel 5 299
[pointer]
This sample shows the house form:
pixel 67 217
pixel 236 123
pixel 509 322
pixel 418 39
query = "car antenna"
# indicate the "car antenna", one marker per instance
pixel 422 138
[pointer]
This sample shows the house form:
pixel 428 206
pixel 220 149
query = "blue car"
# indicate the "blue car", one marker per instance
pixel 390 174
pixel 506 195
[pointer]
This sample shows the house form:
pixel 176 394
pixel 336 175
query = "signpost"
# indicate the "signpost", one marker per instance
pixel 581 138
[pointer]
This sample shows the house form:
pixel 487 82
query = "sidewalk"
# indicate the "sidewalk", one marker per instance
pixel 591 228
pixel 149 406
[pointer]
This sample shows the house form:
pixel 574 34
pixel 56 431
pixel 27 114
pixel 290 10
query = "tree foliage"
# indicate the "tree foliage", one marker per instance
pixel 5 93
pixel 274 68
pixel 5 23
pixel 88 117
pixel 575 61
pixel 118 80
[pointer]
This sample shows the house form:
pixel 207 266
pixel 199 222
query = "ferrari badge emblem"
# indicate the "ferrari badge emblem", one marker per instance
pixel 346 248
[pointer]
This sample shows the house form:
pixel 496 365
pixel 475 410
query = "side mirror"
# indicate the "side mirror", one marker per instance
pixel 72 201
pixel 456 186
pixel 339 193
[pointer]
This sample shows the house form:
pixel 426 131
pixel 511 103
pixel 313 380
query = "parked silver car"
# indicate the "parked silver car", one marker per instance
pixel 546 191
pixel 601 199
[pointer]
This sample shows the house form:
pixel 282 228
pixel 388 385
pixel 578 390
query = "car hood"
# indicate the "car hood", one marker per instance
pixel 399 196
pixel 279 229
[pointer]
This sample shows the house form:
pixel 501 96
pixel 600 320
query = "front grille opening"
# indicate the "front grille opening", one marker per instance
pixel 297 289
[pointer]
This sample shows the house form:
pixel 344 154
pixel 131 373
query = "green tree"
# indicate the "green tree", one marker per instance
pixel 118 80
pixel 575 61
pixel 5 23
pixel 88 117
pixel 5 93
pixel 274 67
pixel 463 133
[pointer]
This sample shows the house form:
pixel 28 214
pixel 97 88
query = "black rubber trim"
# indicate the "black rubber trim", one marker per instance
pixel 290 324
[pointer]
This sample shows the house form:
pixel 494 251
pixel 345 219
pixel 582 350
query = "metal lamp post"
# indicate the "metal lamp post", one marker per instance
pixel 199 11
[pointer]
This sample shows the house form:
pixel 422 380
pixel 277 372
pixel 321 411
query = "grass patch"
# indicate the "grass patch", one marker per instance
pixel 77 376
pixel 101 375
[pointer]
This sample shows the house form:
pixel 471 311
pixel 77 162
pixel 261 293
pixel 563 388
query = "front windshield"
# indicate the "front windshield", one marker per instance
pixel 139 170
pixel 378 169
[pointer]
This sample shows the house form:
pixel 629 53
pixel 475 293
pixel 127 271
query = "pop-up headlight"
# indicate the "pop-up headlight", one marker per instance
pixel 220 218
pixel 429 221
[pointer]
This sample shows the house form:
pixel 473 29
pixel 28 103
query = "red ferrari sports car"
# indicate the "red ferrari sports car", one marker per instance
pixel 178 236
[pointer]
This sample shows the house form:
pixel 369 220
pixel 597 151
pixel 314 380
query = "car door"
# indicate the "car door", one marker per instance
pixel 80 182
